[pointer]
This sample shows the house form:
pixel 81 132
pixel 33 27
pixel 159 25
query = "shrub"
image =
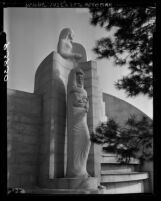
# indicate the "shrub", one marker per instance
pixel 134 139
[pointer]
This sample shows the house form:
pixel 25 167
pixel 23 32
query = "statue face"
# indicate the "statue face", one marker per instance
pixel 79 79
pixel 71 36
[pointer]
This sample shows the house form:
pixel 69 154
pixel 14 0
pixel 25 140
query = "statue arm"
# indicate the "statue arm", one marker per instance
pixel 82 103
pixel 78 103
pixel 67 54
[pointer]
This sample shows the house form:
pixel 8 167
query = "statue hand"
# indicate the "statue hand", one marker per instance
pixel 77 56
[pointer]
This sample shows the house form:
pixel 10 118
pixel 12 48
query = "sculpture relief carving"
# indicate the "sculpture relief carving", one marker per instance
pixel 78 134
pixel 65 46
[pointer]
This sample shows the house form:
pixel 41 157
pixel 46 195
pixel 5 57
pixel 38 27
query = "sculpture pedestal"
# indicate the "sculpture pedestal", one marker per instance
pixel 62 191
pixel 77 183
pixel 69 186
pixel 72 183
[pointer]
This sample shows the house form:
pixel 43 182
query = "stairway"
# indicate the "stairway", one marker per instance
pixel 116 178
pixel 120 179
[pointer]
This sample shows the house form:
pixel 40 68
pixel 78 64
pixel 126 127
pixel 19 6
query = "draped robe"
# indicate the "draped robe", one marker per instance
pixel 78 141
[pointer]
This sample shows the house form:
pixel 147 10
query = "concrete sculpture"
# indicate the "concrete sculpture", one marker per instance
pixel 65 45
pixel 78 144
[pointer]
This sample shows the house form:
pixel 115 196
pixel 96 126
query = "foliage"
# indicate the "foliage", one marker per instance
pixel 135 139
pixel 132 44
pixel 13 191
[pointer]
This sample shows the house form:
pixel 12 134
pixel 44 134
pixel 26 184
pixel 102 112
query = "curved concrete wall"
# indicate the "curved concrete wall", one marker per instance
pixel 120 110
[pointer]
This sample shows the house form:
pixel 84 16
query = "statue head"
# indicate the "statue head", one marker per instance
pixel 66 33
pixel 76 80
pixel 69 49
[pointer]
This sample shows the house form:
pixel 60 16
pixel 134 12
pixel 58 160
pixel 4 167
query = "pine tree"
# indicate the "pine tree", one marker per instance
pixel 134 139
pixel 132 44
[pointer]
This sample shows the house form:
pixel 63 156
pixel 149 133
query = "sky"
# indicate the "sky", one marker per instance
pixel 33 33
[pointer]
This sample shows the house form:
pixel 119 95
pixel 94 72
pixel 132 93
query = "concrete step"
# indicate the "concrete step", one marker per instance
pixel 119 168
pixel 61 191
pixel 122 177
pixel 123 187
pixel 123 183
pixel 112 158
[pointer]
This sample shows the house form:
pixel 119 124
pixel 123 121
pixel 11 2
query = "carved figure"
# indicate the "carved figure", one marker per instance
pixel 78 134
pixel 65 45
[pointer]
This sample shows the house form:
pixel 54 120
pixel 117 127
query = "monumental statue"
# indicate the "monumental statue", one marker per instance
pixel 69 49
pixel 78 138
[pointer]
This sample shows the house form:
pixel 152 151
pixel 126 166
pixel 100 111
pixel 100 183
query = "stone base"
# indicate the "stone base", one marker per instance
pixel 62 191
pixel 78 183
pixel 72 183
